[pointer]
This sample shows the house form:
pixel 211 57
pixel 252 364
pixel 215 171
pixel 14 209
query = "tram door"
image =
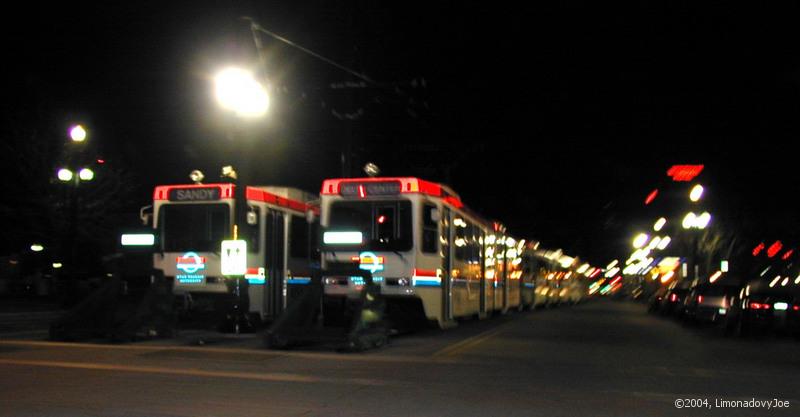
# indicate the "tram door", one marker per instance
pixel 275 258
pixel 447 264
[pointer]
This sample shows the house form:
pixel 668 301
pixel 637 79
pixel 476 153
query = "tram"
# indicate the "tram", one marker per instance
pixel 192 220
pixel 432 256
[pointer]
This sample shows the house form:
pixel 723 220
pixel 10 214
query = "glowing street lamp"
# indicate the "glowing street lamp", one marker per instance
pixel 65 175
pixel 238 90
pixel 86 174
pixel 77 133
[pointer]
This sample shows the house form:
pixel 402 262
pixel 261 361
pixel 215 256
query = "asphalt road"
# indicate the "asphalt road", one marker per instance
pixel 602 358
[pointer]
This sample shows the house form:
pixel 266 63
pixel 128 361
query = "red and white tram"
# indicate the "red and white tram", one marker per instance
pixel 192 220
pixel 431 255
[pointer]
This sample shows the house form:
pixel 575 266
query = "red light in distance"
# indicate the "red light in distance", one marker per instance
pixel 651 197
pixel 774 249
pixel 684 172
pixel 787 254
pixel 758 249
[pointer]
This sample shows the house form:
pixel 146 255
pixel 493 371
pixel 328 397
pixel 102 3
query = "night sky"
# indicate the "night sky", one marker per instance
pixel 556 118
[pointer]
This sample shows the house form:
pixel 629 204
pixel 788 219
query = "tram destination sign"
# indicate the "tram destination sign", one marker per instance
pixel 194 194
pixel 363 189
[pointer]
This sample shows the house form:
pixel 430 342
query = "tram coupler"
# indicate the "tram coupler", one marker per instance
pixel 349 323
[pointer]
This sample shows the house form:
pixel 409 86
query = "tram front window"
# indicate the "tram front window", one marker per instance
pixel 384 225
pixel 193 227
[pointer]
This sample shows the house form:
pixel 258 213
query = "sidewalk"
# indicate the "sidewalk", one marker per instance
pixel 27 315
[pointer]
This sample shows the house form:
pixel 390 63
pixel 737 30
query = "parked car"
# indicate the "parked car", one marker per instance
pixel 708 302
pixel 759 308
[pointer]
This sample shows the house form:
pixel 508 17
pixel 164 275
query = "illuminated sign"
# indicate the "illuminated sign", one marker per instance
pixel 194 194
pixel 256 276
pixel 684 172
pixel 190 263
pixel 369 261
pixel 352 189
pixel 342 238
pixel 234 257
pixel 143 239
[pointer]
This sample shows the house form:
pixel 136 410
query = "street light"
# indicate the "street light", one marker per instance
pixel 64 175
pixel 237 90
pixel 77 133
pixel 86 174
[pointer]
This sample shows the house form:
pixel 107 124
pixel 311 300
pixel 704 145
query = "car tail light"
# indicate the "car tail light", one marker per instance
pixel 699 299
pixel 796 308
pixel 759 306
pixel 673 298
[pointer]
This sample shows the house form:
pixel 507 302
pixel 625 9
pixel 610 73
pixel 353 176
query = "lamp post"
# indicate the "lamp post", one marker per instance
pixel 238 92
pixel 73 177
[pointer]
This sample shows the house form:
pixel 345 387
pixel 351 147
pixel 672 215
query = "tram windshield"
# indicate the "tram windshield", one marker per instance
pixel 384 225
pixel 193 227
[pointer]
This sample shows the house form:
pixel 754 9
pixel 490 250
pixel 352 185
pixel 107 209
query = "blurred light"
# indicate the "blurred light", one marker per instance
pixel 640 240
pixel 659 224
pixel 612 264
pixel 774 281
pixel 86 174
pixel 57 265
pixel 780 306
pixel 651 197
pixel 101 161
pixel 668 276
pixel 696 193
pixel 702 220
pixel 64 175
pixel 664 243
pixel 758 249
pixel 788 254
pixel 237 90
pixel 797 280
pixel 684 172
pixel 689 220
pixel 77 133
pixel 715 276
pixel 36 247
pixel 784 282
pixel 654 243
pixel 723 266
pixel 774 249
pixel 582 269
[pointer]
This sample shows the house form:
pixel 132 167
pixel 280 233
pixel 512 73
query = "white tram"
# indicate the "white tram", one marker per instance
pixel 191 220
pixel 431 255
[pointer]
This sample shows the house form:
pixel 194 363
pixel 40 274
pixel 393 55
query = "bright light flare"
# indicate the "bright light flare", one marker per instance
pixel 702 220
pixel 640 240
pixel 659 224
pixel 237 90
pixel 696 193
pixel 64 175
pixel 86 174
pixel 77 133
pixel 689 220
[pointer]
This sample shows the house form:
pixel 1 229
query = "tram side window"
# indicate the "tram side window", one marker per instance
pixel 299 238
pixel 429 229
